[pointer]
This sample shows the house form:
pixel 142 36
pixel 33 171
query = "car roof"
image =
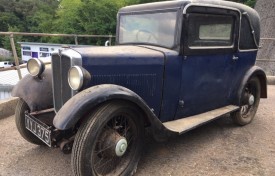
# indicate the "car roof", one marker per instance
pixel 183 3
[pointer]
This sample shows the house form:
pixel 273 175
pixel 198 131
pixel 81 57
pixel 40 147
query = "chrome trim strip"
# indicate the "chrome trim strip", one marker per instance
pixel 208 5
pixel 247 50
pixel 41 66
pixel 151 10
pixel 59 55
pixel 217 6
pixel 210 47
pixel 79 70
pixel 76 59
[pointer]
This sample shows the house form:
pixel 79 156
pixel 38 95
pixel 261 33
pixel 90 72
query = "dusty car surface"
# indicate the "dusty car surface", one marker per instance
pixel 176 65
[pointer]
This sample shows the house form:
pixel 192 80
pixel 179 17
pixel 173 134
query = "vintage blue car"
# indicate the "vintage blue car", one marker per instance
pixel 176 65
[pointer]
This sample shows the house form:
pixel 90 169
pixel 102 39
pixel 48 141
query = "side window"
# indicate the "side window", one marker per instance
pixel 26 47
pixel 246 39
pixel 44 49
pixel 27 53
pixel 207 30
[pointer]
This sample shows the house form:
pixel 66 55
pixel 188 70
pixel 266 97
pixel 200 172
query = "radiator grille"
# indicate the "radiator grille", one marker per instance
pixel 61 89
pixel 56 69
pixel 66 89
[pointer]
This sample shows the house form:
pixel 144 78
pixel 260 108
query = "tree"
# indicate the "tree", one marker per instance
pixel 6 41
pixel 98 17
pixel 87 17
pixel 65 20
pixel 27 16
pixel 250 3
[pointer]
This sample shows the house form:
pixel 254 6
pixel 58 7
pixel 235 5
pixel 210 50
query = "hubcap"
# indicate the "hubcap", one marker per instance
pixel 121 147
pixel 251 100
pixel 116 145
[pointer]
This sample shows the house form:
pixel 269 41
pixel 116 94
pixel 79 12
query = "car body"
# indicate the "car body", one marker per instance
pixel 6 64
pixel 176 65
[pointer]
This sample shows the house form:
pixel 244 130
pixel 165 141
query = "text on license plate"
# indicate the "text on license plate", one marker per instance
pixel 38 130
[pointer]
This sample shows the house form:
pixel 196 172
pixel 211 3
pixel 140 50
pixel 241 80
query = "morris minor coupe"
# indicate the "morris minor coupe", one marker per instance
pixel 176 65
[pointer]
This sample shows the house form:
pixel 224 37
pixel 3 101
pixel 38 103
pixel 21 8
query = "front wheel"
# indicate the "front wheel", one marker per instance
pixel 20 110
pixel 110 142
pixel 250 101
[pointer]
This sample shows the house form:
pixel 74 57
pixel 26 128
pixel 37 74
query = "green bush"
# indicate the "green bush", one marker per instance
pixel 6 59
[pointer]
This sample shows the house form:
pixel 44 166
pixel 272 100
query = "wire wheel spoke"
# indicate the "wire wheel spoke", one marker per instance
pixel 250 99
pixel 105 165
pixel 110 141
pixel 105 159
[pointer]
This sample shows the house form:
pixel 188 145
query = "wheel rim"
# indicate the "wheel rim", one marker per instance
pixel 248 100
pixel 115 146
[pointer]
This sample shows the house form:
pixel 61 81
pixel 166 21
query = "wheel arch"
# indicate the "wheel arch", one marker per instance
pixel 254 71
pixel 89 99
pixel 36 92
pixel 263 82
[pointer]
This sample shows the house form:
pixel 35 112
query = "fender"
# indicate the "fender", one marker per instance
pixel 36 92
pixel 82 103
pixel 253 71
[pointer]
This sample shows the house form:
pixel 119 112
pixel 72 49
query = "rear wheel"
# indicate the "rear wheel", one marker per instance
pixel 20 110
pixel 109 142
pixel 250 101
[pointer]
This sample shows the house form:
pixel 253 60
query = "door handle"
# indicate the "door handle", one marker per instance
pixel 235 57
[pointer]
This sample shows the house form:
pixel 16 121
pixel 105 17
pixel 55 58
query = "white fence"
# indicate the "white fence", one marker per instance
pixel 8 79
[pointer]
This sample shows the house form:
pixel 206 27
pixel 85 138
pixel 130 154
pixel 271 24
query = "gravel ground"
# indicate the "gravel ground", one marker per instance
pixel 218 148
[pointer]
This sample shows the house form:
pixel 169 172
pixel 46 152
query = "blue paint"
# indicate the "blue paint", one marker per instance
pixel 205 83
pixel 136 68
pixel 209 81
pixel 241 66
pixel 171 86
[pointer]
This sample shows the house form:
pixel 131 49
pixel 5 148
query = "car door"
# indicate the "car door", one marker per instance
pixel 210 39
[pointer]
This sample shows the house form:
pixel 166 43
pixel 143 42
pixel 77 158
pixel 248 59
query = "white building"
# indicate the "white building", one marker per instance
pixel 41 51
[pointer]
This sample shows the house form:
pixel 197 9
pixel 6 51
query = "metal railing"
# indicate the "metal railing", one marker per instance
pixel 75 36
pixel 12 34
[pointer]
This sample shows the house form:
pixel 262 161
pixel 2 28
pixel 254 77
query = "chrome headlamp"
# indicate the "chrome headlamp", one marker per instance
pixel 35 67
pixel 78 77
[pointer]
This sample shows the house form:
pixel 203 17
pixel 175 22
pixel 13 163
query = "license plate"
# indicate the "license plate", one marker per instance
pixel 39 129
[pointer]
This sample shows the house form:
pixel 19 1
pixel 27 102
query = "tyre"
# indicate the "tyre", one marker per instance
pixel 20 110
pixel 250 101
pixel 110 142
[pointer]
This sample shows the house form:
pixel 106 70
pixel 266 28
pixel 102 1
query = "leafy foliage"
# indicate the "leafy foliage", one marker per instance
pixel 250 3
pixel 6 40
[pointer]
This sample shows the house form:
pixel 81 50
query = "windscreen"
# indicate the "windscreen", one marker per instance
pixel 148 28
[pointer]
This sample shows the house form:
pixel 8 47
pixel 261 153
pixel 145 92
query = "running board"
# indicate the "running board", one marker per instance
pixel 185 124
